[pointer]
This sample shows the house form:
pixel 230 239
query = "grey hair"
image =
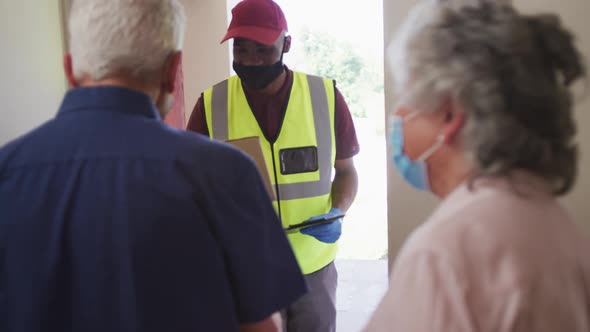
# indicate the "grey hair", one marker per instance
pixel 135 37
pixel 512 74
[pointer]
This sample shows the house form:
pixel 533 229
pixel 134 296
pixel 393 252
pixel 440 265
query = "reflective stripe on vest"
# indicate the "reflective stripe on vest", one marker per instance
pixel 319 100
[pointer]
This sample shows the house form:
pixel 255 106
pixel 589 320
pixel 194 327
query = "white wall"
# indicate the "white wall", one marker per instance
pixel 205 61
pixel 407 207
pixel 31 80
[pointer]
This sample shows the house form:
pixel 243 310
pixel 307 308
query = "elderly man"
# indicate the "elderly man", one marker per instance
pixel 308 139
pixel 112 221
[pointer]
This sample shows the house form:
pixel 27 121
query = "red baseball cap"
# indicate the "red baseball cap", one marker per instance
pixel 258 20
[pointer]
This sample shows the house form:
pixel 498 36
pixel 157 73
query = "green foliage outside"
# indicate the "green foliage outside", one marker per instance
pixel 357 76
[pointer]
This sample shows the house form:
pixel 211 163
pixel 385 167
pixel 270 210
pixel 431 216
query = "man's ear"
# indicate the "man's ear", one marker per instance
pixel 69 71
pixel 173 65
pixel 454 119
pixel 287 44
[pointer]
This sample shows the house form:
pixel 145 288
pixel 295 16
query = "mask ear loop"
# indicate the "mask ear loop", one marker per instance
pixel 440 140
pixel 410 116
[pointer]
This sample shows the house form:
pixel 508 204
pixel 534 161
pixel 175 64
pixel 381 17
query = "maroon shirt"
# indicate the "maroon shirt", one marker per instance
pixel 269 112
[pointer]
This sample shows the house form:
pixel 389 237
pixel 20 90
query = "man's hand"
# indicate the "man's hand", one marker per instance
pixel 327 233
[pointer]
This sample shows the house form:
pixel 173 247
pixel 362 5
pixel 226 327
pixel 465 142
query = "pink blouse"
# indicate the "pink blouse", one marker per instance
pixel 499 258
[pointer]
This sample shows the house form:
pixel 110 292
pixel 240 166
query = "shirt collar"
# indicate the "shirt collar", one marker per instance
pixel 109 98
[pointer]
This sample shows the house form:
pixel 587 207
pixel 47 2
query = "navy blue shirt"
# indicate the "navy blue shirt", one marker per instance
pixel 110 220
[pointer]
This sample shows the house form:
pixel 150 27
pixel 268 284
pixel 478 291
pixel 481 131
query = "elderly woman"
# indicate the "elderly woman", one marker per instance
pixel 485 123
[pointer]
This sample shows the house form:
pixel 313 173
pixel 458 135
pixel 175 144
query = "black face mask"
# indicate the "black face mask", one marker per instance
pixel 258 77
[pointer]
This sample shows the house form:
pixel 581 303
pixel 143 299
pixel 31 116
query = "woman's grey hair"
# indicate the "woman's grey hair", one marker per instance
pixel 512 74
pixel 135 37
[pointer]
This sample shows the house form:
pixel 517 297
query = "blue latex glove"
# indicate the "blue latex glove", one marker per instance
pixel 327 233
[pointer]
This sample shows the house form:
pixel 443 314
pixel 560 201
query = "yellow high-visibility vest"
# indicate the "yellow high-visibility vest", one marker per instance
pixel 308 124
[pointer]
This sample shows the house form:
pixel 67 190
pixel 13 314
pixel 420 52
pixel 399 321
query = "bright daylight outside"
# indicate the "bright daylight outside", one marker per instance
pixel 343 40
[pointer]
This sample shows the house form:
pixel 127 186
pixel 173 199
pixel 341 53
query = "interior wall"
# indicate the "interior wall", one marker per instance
pixel 205 60
pixel 407 208
pixel 32 82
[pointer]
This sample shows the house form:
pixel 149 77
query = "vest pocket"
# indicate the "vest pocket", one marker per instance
pixel 299 160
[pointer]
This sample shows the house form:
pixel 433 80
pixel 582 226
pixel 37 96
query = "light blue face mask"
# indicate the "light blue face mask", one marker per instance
pixel 414 172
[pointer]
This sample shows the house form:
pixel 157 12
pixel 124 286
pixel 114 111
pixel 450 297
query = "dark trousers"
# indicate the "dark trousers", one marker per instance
pixel 316 310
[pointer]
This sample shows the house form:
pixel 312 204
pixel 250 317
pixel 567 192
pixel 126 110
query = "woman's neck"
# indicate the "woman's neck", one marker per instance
pixel 448 172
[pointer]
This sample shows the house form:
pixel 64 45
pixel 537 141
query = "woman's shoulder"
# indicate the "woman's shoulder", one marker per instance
pixel 492 222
